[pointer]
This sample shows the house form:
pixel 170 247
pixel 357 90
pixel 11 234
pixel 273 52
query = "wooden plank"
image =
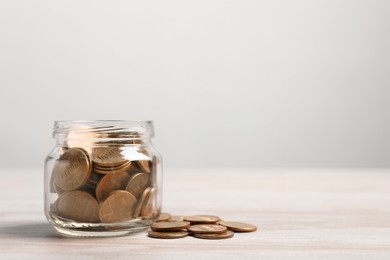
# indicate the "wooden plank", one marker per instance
pixel 301 214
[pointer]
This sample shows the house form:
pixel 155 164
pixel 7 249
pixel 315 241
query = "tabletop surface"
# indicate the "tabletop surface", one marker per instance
pixel 300 214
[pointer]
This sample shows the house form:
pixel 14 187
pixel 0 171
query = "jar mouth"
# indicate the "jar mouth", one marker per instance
pixel 108 129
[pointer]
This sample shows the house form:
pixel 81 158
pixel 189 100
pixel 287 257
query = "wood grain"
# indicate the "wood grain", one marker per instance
pixel 300 214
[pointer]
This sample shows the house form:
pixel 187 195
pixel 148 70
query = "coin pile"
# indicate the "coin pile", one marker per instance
pixel 101 186
pixel 199 226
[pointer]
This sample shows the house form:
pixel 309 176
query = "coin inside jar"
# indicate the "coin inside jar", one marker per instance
pixel 107 156
pixel 117 207
pixel 110 183
pixel 112 169
pixel 145 165
pixel 79 206
pixel 207 229
pixel 72 169
pixel 145 198
pixel 148 209
pixel 138 183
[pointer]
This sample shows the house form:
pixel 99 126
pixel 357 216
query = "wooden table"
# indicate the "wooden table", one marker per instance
pixel 301 214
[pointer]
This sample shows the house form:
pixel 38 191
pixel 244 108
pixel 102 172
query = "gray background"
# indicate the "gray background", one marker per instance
pixel 228 83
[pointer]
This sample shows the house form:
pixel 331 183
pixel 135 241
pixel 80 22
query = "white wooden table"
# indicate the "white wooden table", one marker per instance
pixel 301 214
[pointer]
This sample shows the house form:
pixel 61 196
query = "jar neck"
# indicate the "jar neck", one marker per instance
pixel 102 132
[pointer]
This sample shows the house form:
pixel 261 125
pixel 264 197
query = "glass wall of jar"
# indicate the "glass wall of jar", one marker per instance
pixel 103 178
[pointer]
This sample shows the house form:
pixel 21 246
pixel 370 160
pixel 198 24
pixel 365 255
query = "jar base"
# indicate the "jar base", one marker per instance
pixel 69 228
pixel 67 232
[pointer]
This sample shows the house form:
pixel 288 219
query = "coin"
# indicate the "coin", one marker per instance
pixel 138 183
pixel 107 156
pixel 153 169
pixel 176 218
pixel 148 208
pixel 227 234
pixel 144 164
pixel 170 226
pixel 238 226
pixel 78 206
pixel 142 201
pixel 164 217
pixel 202 219
pixel 72 169
pixel 110 166
pixel 117 207
pixel 110 183
pixel 207 229
pixel 112 169
pixel 52 186
pixel 167 235
pixel 93 180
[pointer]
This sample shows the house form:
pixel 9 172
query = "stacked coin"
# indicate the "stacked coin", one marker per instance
pixel 199 226
pixel 103 186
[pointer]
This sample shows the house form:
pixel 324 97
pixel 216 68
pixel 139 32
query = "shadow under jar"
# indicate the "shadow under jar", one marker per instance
pixel 103 178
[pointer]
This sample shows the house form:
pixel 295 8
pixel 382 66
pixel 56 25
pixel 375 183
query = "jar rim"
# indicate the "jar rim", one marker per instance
pixel 143 128
pixel 60 123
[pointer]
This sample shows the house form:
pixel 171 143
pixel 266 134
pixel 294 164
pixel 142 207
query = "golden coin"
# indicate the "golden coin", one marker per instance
pixel 238 226
pixel 148 207
pixel 53 207
pixel 207 229
pixel 134 168
pixel 227 234
pixel 117 207
pixel 107 156
pixel 176 218
pixel 144 165
pixel 138 183
pixel 170 225
pixel 112 169
pixel 153 169
pixel 57 189
pixel 72 169
pixel 93 180
pixel 164 217
pixel 52 186
pixel 167 235
pixel 143 200
pixel 78 206
pixel 202 219
pixel 110 183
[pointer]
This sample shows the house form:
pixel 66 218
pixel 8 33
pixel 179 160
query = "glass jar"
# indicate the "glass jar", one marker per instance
pixel 103 178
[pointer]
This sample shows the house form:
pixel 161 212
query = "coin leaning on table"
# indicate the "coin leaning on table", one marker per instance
pixel 205 230
pixel 238 226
